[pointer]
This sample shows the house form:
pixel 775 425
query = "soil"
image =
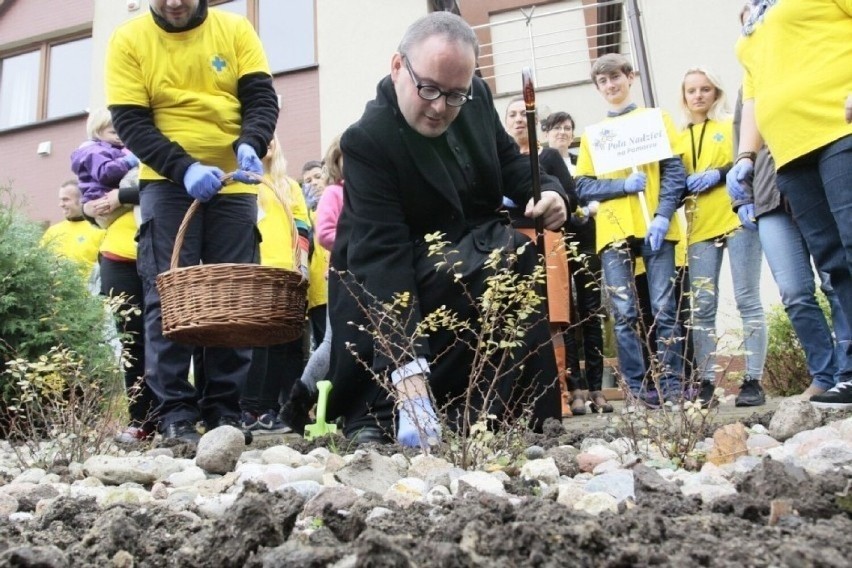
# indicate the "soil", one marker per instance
pixel 662 527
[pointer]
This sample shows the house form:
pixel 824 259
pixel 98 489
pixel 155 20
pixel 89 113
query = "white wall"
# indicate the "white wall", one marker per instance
pixel 108 15
pixel 355 42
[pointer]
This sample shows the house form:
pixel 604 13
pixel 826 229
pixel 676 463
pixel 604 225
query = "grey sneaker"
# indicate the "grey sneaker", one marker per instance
pixel 751 394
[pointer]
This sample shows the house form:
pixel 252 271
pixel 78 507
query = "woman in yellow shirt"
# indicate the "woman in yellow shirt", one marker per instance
pixel 797 97
pixel 712 228
pixel 282 217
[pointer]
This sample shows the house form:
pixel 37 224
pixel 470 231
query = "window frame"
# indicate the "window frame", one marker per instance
pixel 44 48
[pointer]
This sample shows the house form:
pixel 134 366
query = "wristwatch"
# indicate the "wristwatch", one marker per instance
pixel 743 155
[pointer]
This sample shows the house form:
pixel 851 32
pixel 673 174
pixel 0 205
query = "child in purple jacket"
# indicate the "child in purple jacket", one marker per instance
pixel 100 163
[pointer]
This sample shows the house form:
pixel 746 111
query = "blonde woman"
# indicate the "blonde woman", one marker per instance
pixel 713 228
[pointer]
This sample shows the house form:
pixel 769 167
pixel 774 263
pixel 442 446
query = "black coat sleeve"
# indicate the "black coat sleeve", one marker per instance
pixel 259 111
pixel 135 127
pixel 552 164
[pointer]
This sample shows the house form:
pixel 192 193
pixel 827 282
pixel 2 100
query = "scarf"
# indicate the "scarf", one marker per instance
pixel 758 11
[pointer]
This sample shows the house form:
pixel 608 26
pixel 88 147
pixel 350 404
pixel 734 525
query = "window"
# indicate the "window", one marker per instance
pixel 69 77
pixel 19 89
pixel 285 28
pixel 27 97
pixel 294 47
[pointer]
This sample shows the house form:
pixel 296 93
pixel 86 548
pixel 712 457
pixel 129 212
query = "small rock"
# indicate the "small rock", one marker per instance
pixel 729 442
pixel 219 449
pixel 793 415
pixel 480 481
pixel 590 458
pixel 543 470
pixel 617 483
pixel 190 476
pixel 406 491
pixel 369 471
pixel 597 503
pixel 338 498
pixel 570 492
pixel 534 453
pixel 8 505
pixel 306 488
pixel 283 455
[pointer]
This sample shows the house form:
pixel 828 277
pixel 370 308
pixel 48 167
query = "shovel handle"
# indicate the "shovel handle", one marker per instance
pixel 323 387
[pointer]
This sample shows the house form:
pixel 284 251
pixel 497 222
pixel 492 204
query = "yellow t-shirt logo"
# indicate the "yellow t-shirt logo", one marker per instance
pixel 218 63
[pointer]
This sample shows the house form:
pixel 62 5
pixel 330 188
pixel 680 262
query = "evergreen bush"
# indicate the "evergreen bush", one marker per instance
pixel 44 304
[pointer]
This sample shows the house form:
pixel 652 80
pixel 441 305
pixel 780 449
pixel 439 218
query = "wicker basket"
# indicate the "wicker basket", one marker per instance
pixel 230 305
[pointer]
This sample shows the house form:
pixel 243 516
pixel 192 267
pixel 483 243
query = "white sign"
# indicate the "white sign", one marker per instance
pixel 628 141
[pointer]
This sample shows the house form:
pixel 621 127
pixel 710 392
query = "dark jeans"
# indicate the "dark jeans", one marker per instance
pixel 121 279
pixel 274 370
pixel 586 311
pixel 818 187
pixel 222 230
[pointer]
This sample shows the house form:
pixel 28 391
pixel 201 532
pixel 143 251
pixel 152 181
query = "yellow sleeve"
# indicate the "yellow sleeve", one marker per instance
pixel 585 167
pixel 124 84
pixel 252 58
pixel 300 208
pixel 671 132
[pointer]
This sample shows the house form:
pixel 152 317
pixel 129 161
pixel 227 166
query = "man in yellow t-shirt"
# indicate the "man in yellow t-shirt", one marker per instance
pixel 191 95
pixel 74 238
pixel 623 237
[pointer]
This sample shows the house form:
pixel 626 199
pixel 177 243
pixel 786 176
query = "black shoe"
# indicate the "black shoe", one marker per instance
pixel 294 413
pixel 838 396
pixel 369 434
pixel 706 395
pixel 231 421
pixel 751 394
pixel 182 431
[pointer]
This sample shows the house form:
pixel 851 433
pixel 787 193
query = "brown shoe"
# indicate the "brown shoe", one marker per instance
pixel 599 402
pixel 578 402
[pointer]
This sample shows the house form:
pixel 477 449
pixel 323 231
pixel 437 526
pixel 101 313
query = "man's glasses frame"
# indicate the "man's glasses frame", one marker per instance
pixel 431 92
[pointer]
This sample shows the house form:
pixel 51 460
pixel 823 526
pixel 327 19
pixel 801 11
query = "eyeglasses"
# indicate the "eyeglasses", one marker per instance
pixel 431 92
pixel 562 129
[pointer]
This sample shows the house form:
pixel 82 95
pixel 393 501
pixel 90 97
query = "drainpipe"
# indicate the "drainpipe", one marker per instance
pixel 644 69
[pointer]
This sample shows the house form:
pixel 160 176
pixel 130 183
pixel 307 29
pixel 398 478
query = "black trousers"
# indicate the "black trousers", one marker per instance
pixel 586 311
pixel 223 230
pixel 120 278
pixel 274 370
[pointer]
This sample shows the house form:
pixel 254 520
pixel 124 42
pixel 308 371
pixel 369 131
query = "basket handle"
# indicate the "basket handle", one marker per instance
pixel 184 225
pixel 182 232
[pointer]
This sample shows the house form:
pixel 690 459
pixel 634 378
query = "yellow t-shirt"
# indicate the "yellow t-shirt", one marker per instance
pixel 78 241
pixel 276 226
pixel 798 70
pixel 189 81
pixel 622 217
pixel 120 237
pixel 710 146
pixel 318 272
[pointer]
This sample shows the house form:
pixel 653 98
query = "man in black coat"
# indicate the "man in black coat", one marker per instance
pixel 430 155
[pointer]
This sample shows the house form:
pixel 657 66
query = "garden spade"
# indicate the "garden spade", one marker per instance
pixel 321 428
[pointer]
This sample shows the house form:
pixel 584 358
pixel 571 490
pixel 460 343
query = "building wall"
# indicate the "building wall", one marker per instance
pixel 34 178
pixel 355 43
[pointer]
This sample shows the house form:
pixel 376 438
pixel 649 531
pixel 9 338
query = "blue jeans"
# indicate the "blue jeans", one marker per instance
pixel 790 262
pixel 618 267
pixel 818 187
pixel 222 230
pixel 705 263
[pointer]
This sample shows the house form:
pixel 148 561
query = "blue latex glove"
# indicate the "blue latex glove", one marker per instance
pixel 635 182
pixel 696 183
pixel 131 160
pixel 657 232
pixel 746 215
pixel 202 182
pixel 418 424
pixel 248 162
pixel 739 180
